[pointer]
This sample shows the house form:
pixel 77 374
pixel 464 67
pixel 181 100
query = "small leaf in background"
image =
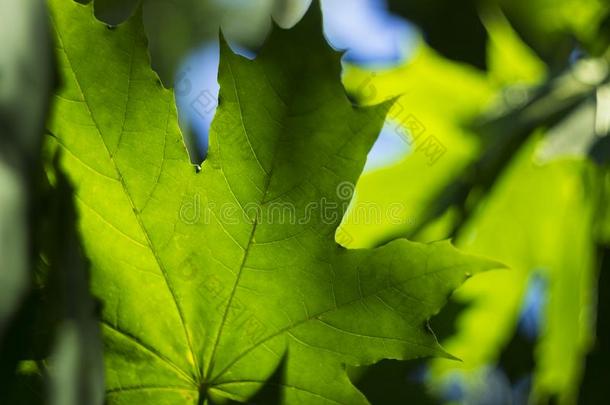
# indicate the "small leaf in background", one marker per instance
pixel 114 12
pixel 551 27
pixel 452 28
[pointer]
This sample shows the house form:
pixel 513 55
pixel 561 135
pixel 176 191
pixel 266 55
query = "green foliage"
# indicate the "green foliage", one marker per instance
pixel 263 275
pixel 205 288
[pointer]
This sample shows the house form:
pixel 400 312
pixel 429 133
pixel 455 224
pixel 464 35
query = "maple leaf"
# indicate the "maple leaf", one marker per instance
pixel 211 278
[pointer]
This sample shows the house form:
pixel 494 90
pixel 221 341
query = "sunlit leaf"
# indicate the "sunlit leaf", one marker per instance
pixel 207 282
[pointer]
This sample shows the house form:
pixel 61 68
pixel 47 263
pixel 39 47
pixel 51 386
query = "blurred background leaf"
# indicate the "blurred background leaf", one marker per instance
pixel 553 27
pixel 438 100
pixel 453 28
pixel 418 115
pixel 46 314
pixel 26 80
pixel 549 284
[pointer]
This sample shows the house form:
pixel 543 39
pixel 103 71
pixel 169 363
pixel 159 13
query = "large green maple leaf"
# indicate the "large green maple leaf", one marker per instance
pixel 211 278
